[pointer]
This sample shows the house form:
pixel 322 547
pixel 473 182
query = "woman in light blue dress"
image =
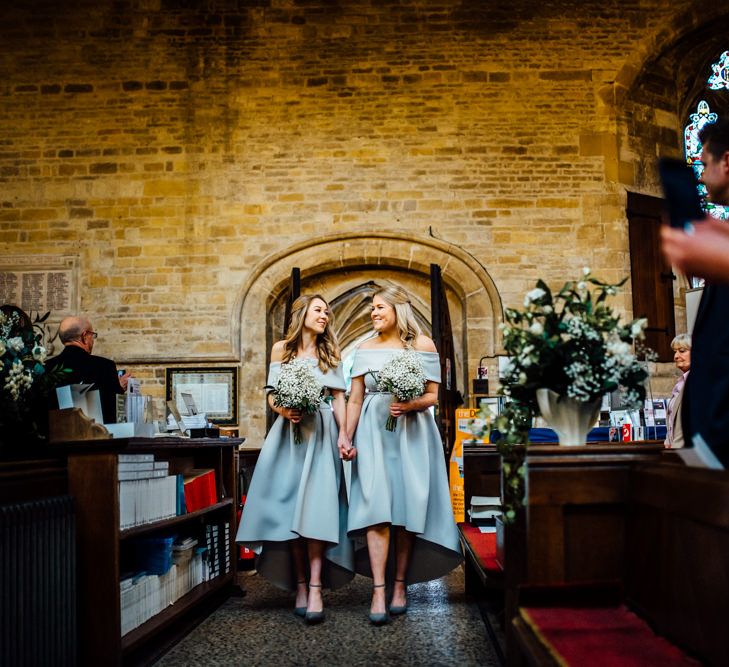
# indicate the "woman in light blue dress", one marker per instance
pixel 296 507
pixel 399 497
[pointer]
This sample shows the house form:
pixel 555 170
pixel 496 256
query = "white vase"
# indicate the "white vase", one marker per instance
pixel 570 419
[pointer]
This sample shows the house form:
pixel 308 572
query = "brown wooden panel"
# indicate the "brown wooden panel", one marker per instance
pixel 651 277
pixel 546 555
pixel 560 486
pixel 449 398
pixel 594 542
pixel 92 481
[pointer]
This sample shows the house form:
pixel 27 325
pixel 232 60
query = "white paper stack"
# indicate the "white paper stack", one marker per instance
pixel 144 595
pixel 147 492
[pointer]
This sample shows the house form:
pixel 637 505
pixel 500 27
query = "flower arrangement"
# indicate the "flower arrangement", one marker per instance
pixel 404 377
pixel 297 388
pixel 24 383
pixel 571 342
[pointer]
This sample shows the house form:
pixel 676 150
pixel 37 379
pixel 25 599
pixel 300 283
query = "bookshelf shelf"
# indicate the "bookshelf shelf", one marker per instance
pixel 173 521
pixel 93 481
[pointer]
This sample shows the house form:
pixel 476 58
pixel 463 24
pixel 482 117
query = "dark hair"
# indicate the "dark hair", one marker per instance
pixel 715 137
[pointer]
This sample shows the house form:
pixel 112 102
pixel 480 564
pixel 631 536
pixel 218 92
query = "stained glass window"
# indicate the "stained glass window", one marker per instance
pixel 719 79
pixel 692 148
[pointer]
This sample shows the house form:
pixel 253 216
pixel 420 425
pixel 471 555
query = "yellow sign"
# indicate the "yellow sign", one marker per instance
pixel 471 427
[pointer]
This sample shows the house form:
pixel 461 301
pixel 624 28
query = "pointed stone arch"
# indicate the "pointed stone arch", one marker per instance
pixel 341 264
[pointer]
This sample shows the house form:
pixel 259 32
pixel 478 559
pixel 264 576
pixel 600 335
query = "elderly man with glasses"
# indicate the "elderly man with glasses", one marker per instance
pixel 78 336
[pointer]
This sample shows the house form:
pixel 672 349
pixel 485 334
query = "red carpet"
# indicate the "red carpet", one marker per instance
pixel 601 637
pixel 483 545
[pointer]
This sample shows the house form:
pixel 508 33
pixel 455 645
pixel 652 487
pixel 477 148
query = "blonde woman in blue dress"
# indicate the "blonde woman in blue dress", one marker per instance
pixel 399 497
pixel 295 516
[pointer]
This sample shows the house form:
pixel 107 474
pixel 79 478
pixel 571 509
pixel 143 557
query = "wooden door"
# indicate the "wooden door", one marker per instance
pixel 449 398
pixel 294 293
pixel 652 279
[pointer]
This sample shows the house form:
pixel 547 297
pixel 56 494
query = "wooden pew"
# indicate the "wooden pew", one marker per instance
pixel 481 477
pixel 670 547
pixel 573 527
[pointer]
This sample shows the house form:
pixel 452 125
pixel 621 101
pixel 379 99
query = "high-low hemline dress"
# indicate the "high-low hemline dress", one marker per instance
pixel 298 490
pixel 399 477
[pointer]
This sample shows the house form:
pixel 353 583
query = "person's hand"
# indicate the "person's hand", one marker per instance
pixel 703 253
pixel 124 380
pixel 344 444
pixel 399 408
pixel 292 414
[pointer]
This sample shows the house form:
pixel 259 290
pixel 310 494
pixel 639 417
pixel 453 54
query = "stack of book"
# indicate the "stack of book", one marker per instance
pixel 143 595
pixel 146 491
pixel 483 512
pixel 217 539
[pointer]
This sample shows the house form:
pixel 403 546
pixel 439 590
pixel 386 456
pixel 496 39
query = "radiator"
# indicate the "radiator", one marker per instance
pixel 38 583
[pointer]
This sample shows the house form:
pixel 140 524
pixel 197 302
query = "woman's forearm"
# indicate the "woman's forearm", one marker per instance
pixel 339 407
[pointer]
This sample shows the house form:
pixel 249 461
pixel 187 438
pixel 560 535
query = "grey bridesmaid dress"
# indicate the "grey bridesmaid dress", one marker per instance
pixel 299 491
pixel 399 477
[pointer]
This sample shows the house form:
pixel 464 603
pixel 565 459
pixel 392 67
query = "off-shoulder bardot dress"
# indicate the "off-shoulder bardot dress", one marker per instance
pixel 399 477
pixel 298 490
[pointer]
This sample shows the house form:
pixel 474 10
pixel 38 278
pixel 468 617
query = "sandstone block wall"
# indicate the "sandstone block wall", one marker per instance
pixel 176 147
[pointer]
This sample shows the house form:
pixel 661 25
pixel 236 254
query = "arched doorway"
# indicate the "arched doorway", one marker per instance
pixel 344 269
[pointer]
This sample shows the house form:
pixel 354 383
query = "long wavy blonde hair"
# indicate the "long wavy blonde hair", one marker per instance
pixel 327 346
pixel 407 326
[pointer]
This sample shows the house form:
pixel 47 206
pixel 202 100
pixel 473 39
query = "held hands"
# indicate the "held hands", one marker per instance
pixel 344 444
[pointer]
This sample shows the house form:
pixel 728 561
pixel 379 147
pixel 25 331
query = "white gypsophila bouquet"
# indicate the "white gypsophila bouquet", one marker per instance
pixel 297 388
pixel 404 377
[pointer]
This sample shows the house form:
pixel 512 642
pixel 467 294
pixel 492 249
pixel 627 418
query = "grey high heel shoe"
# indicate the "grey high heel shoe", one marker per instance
pixel 300 611
pixel 314 617
pixel 379 619
pixel 398 610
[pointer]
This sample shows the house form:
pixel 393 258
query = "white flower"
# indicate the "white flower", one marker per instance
pixel 636 328
pixel 403 376
pixel 585 270
pixel 16 343
pixel 537 328
pixel 522 378
pixel 2 348
pixel 547 309
pixel 533 295
pixel 39 353
pixel 581 285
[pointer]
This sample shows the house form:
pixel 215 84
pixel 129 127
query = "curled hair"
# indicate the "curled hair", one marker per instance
pixel 407 326
pixel 327 346
pixel 682 340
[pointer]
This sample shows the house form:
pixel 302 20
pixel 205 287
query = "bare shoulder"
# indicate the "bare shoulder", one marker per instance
pixel 277 351
pixel 369 344
pixel 424 344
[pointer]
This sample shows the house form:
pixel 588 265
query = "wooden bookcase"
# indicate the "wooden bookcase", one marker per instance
pixel 93 482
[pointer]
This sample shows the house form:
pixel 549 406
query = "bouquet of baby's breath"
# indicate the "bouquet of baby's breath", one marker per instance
pixel 403 376
pixel 297 388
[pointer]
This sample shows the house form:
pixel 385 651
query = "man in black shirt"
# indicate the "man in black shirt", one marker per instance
pixel 78 336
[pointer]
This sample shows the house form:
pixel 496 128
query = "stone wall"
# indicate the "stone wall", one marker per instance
pixel 176 148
